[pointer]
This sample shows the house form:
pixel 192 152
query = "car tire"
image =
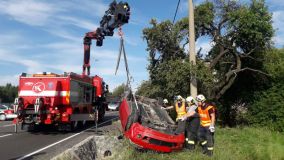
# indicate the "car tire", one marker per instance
pixel 2 117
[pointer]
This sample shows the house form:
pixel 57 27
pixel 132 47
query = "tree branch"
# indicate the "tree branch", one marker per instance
pixel 253 70
pixel 229 77
pixel 224 20
pixel 226 87
pixel 216 59
pixel 245 56
pixel 226 62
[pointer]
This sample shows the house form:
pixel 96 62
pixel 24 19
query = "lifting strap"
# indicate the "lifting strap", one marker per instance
pixel 129 77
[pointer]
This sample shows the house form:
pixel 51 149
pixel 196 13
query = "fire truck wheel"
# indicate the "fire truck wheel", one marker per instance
pixel 74 125
pixel 81 123
pixel 84 122
pixel 29 127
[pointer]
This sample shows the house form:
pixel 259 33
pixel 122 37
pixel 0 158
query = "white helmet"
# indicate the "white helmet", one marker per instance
pixel 165 101
pixel 189 99
pixel 179 97
pixel 200 98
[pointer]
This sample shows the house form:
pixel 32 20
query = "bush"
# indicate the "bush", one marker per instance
pixel 268 108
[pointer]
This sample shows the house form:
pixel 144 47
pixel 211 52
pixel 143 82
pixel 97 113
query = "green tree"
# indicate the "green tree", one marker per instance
pixel 234 68
pixel 8 93
pixel 168 79
pixel 118 91
pixel 239 32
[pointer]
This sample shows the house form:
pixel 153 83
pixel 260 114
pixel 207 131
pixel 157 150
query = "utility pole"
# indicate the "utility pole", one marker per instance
pixel 192 56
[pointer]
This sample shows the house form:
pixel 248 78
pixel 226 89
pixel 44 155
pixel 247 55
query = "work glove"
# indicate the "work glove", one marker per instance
pixel 183 118
pixel 212 128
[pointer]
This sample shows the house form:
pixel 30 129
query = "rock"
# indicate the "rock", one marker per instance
pixel 108 147
pixel 94 147
pixel 84 150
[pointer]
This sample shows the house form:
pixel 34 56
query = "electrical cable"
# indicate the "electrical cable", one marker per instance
pixel 176 11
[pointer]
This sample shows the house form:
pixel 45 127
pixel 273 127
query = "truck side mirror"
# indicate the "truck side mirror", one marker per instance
pixel 107 91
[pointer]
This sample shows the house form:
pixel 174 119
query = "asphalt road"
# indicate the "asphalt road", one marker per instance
pixel 46 143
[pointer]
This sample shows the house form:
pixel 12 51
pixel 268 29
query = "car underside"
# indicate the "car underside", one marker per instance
pixel 148 126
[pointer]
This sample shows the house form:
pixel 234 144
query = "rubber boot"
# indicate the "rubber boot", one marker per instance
pixel 204 149
pixel 210 153
pixel 190 147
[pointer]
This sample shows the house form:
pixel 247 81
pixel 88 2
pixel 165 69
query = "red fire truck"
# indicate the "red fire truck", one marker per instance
pixel 65 100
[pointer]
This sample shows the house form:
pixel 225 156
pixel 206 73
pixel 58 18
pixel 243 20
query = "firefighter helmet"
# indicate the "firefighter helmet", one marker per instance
pixel 200 98
pixel 190 100
pixel 165 101
pixel 179 98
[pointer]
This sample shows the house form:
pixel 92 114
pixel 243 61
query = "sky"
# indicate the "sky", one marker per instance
pixel 47 35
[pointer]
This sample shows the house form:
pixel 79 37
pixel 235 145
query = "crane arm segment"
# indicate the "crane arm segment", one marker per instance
pixel 117 15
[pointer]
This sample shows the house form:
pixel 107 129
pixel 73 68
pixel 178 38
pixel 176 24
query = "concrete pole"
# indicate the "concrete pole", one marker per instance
pixel 192 55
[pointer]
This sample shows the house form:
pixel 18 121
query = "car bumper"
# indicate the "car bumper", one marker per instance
pixel 148 138
pixel 11 116
pixel 113 109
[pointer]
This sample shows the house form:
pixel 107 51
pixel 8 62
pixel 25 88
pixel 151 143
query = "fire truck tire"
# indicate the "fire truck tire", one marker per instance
pixel 29 127
pixel 84 122
pixel 74 125
pixel 81 123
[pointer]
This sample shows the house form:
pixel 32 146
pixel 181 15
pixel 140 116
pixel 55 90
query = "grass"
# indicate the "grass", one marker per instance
pixel 230 143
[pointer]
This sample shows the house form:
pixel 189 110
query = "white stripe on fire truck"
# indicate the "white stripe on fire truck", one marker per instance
pixel 43 93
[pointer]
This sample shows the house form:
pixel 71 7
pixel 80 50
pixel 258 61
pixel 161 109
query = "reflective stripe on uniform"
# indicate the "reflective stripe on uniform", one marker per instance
pixel 210 148
pixel 181 111
pixel 205 123
pixel 203 143
pixel 190 142
pixel 205 119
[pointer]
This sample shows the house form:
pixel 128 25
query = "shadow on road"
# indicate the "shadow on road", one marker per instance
pixel 52 130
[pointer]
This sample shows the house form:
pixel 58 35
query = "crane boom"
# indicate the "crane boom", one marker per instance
pixel 117 15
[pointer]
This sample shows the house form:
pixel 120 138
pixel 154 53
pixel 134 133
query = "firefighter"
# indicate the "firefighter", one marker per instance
pixel 180 107
pixel 192 123
pixel 207 125
pixel 165 103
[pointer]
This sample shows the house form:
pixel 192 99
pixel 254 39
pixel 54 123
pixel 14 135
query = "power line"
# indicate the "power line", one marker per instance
pixel 176 11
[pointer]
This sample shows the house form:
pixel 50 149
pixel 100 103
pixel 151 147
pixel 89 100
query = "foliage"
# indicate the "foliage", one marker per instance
pixel 163 41
pixel 147 89
pixel 119 90
pixel 267 109
pixel 169 79
pixel 8 93
pixel 274 64
pixel 230 143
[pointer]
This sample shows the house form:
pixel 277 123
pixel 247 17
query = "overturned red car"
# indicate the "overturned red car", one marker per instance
pixel 148 126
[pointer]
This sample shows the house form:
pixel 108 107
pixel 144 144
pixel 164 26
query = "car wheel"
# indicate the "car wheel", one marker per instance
pixel 2 117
